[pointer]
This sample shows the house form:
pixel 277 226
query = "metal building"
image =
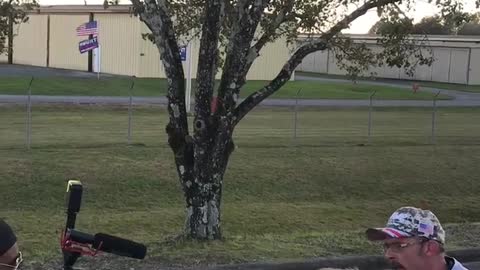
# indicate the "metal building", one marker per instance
pixel 457 60
pixel 49 39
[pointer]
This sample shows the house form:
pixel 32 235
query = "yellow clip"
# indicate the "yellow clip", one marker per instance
pixel 73 183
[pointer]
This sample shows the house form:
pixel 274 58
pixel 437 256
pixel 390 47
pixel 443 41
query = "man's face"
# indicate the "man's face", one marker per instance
pixel 406 253
pixel 11 259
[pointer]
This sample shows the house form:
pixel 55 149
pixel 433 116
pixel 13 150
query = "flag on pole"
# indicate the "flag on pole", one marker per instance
pixel 87 29
pixel 183 53
pixel 88 45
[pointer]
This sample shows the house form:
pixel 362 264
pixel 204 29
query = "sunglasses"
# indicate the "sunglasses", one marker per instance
pixel 398 247
pixel 18 262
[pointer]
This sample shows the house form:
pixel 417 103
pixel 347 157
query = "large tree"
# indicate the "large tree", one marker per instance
pixel 232 35
pixel 12 12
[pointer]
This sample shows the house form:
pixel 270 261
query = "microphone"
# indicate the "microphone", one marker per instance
pixel 80 237
pixel 75 243
pixel 107 243
pixel 74 196
pixel 73 201
pixel 119 246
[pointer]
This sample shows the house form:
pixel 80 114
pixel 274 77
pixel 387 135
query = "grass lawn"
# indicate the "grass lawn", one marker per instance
pixel 157 87
pixel 280 202
pixel 439 85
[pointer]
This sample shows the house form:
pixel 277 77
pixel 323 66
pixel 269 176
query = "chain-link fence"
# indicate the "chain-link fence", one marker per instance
pixel 87 125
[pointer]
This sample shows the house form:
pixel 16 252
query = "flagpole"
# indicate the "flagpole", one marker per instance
pixel 99 60
pixel 189 76
pixel 90 29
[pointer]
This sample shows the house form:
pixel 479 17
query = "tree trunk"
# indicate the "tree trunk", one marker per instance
pixel 203 211
pixel 203 196
pixel 201 166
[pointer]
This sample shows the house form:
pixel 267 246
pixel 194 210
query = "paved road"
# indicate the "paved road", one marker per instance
pixel 15 99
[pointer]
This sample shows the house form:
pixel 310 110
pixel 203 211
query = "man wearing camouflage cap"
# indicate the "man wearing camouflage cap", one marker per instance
pixel 10 256
pixel 414 240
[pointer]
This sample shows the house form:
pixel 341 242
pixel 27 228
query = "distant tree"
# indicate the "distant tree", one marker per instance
pixel 475 18
pixel 431 26
pixel 461 23
pixel 374 29
pixel 384 26
pixel 12 12
pixel 471 28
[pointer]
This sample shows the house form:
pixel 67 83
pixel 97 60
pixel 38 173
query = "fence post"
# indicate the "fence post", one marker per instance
pixel 296 117
pixel 29 115
pixel 370 117
pixel 130 101
pixel 434 117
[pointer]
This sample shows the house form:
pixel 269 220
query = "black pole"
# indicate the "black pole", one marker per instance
pixel 90 53
pixel 74 198
pixel 10 39
pixel 70 258
pixel 48 41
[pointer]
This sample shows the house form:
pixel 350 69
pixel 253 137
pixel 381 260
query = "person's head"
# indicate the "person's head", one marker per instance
pixel 413 239
pixel 10 256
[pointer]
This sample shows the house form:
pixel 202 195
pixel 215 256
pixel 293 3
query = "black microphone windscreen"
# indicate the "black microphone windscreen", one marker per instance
pixel 81 237
pixel 119 246
pixel 74 196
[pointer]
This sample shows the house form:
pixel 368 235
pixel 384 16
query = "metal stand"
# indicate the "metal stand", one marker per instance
pixel 69 259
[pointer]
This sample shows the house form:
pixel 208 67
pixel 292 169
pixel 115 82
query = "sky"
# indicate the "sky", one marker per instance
pixel 360 26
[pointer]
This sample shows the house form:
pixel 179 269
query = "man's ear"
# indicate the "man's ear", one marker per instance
pixel 10 255
pixel 432 248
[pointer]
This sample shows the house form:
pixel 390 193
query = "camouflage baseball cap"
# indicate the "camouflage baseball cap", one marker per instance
pixel 409 222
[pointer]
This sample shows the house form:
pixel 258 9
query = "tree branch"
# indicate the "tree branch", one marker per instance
pixel 204 126
pixel 156 16
pixel 269 33
pixel 318 44
pixel 238 50
pixel 254 51
pixel 207 65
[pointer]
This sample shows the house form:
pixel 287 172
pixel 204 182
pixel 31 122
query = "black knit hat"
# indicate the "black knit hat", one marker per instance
pixel 7 237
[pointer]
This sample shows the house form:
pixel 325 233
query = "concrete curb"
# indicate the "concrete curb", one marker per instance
pixel 361 262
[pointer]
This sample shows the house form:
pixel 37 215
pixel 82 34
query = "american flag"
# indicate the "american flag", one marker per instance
pixel 86 29
pixel 426 228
